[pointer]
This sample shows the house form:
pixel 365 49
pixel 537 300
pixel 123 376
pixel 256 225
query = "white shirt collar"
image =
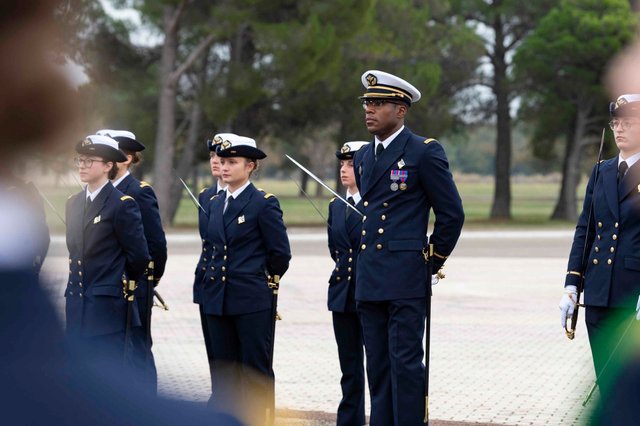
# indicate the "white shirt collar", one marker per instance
pixel 220 187
pixel 356 197
pixel 385 143
pixel 95 193
pixel 238 191
pixel 118 181
pixel 630 161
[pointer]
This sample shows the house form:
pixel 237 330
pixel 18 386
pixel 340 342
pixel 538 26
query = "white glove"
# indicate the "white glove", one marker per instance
pixel 435 279
pixel 638 309
pixel 568 303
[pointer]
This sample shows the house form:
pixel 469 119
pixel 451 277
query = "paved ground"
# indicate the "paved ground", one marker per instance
pixel 498 353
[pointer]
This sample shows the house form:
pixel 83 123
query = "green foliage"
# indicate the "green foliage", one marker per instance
pixel 563 62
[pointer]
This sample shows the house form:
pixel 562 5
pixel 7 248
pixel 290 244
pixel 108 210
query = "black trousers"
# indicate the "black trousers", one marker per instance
pixel 241 346
pixel 207 345
pixel 348 333
pixel 142 357
pixel 393 331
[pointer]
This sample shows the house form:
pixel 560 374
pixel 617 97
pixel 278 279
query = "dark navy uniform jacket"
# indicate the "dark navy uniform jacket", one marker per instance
pixel 344 241
pixel 394 231
pixel 143 193
pixel 204 198
pixel 249 243
pixel 612 277
pixel 105 244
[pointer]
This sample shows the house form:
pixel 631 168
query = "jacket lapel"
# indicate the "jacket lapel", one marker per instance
pixel 630 182
pixel 354 218
pixel 610 183
pixel 389 156
pixel 238 204
pixel 97 204
pixel 366 166
pixel 76 218
pixel 215 213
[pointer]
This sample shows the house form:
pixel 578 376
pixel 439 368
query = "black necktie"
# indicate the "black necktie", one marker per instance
pixel 229 201
pixel 379 150
pixel 353 203
pixel 87 205
pixel 622 169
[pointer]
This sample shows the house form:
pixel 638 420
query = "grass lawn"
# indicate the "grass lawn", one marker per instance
pixel 532 203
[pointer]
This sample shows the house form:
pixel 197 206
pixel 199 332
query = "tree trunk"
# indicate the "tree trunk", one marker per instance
pixel 165 134
pixel 566 206
pixel 501 207
pixel 304 181
pixel 185 163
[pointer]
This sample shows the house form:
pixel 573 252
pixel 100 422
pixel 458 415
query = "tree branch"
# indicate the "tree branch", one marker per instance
pixel 195 53
pixel 173 23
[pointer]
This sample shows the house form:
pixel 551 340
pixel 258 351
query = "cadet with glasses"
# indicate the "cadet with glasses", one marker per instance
pixel 608 231
pixel 106 246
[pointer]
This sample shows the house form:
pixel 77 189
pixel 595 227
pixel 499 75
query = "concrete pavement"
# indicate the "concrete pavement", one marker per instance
pixel 498 353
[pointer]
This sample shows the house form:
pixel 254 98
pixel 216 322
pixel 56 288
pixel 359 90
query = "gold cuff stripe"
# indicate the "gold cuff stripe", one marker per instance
pixel 574 273
pixel 126 197
pixel 439 255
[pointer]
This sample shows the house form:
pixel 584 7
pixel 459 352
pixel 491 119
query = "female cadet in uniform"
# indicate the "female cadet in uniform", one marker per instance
pixel 344 229
pixel 250 249
pixel 204 198
pixel 106 243
pixel 156 244
pixel 610 233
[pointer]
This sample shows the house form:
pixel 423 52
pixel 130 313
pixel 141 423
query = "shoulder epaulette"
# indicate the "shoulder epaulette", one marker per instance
pixel 268 195
pixel 426 141
pixel 126 197
pixel 203 189
pixel 143 184
pixel 333 199
pixel 261 190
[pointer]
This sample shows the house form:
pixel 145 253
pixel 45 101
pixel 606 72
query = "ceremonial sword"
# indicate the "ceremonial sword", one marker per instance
pixel 317 179
pixel 193 198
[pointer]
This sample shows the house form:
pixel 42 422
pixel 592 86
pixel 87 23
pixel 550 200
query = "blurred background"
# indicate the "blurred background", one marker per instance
pixel 514 91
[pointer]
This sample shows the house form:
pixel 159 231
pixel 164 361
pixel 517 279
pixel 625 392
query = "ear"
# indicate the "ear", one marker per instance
pixel 401 110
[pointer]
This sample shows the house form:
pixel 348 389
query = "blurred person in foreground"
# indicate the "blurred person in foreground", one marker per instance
pixel 37 385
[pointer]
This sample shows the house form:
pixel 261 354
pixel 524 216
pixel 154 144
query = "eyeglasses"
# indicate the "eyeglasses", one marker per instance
pixel 85 162
pixel 376 103
pixel 624 124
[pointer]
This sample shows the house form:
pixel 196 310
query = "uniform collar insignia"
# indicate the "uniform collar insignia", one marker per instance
pixel 96 219
pixel 240 219
pixel 401 163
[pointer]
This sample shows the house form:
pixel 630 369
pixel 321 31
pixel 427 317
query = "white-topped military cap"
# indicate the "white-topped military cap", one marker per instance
pixel 126 139
pixel 625 105
pixel 212 144
pixel 239 146
pixel 101 146
pixel 349 149
pixel 382 85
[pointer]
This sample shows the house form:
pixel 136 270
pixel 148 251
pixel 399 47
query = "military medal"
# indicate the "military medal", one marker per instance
pixel 394 177
pixel 403 174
